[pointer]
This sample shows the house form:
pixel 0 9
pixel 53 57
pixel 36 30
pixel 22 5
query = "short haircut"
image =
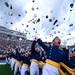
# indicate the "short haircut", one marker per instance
pixel 55 38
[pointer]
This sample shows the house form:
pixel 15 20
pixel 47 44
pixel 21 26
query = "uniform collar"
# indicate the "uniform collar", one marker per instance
pixel 56 46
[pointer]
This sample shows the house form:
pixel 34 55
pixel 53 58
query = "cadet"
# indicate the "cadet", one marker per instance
pixel 13 60
pixel 54 56
pixel 35 57
pixel 66 64
pixel 26 63
pixel 18 61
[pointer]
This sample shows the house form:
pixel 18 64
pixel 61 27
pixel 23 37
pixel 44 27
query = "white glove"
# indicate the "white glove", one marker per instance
pixel 36 37
pixel 64 43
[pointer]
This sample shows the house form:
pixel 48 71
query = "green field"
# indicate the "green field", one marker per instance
pixel 5 70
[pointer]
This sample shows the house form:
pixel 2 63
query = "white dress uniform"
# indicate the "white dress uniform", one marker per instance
pixel 54 56
pixel 35 57
pixel 25 66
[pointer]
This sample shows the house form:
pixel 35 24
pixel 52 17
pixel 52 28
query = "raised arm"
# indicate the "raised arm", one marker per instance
pixel 42 44
pixel 33 46
pixel 66 52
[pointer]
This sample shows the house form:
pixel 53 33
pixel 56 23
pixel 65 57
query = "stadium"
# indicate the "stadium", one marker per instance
pixel 37 37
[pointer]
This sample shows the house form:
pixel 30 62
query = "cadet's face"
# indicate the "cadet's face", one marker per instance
pixel 73 53
pixel 57 42
pixel 70 54
pixel 15 53
pixel 36 49
pixel 29 53
pixel 26 54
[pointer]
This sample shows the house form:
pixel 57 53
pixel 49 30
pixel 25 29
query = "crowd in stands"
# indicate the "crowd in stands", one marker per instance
pixel 8 41
pixel 23 55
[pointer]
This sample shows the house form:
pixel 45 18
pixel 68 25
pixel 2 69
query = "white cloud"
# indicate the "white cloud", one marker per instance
pixel 60 9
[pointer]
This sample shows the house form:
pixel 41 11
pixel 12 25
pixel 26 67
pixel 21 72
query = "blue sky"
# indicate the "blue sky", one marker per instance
pixel 44 10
